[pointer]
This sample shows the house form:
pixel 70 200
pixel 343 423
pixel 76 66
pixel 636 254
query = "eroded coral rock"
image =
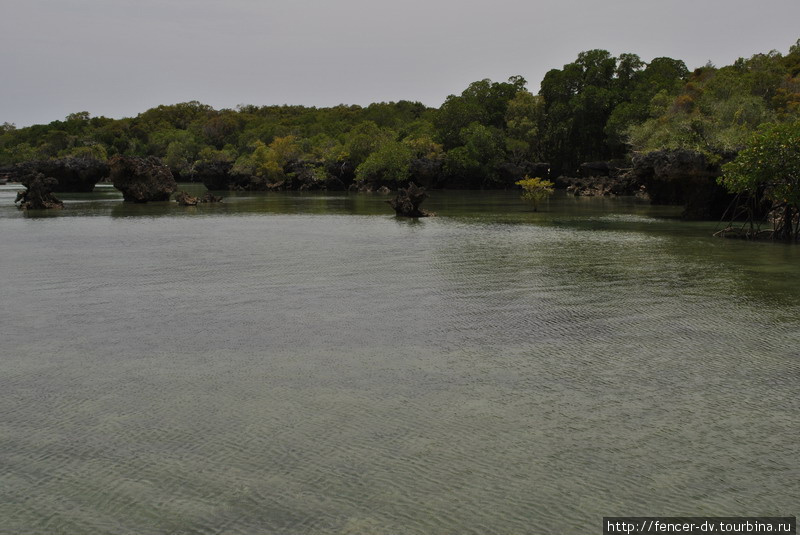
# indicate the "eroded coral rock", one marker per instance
pixel 142 179
pixel 209 197
pixel 39 195
pixel 184 199
pixel 74 175
pixel 407 201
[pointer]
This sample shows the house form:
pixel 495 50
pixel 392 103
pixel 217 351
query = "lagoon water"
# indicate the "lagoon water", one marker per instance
pixel 309 364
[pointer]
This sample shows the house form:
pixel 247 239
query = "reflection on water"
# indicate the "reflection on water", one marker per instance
pixel 308 363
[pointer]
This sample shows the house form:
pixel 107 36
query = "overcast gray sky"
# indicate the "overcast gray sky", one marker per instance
pixel 120 57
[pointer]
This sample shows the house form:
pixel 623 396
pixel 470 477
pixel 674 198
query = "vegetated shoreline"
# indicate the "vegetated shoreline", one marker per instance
pixel 601 125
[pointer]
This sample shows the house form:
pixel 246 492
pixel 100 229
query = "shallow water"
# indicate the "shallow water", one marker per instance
pixel 310 364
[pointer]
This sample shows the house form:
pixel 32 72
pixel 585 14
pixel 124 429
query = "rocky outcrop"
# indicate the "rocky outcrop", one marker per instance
pixel 73 175
pixel 407 201
pixel 142 179
pixel 509 172
pixel 609 168
pixel 184 199
pixel 683 177
pixel 39 195
pixel 600 186
pixel 594 169
pixel 216 176
pixel 209 197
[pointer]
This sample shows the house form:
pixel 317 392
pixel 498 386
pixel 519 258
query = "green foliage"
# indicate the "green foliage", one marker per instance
pixel 770 166
pixel 424 147
pixel 389 163
pixel 535 190
pixel 179 157
pixel 94 151
pixel 717 110
pixel 771 160
pixel 598 107
pixel 211 155
pixel 19 153
pixel 475 161
pixel 591 103
pixel 579 99
pixel 484 102
pixel 525 117
pixel 364 139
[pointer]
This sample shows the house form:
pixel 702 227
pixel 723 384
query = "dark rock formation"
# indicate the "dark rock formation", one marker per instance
pixel 510 172
pixel 39 195
pixel 407 202
pixel 610 168
pixel 142 179
pixel 184 199
pixel 683 177
pixel 220 176
pixel 539 170
pixel 208 197
pixel 599 186
pixel 383 190
pixel 214 175
pixel 73 175
pixel 362 187
pixel 344 171
pixel 594 169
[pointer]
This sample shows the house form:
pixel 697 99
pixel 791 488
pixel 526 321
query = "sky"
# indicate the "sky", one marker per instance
pixel 118 58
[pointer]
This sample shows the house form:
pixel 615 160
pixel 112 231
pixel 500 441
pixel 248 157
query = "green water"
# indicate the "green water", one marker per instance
pixel 310 364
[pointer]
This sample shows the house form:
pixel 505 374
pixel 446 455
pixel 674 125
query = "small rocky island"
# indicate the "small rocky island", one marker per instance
pixel 72 175
pixel 142 179
pixel 39 193
pixel 406 202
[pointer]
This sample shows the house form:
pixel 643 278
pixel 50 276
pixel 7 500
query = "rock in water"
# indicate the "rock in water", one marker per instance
pixel 407 201
pixel 215 176
pixel 39 195
pixel 184 199
pixel 142 179
pixel 74 175
pixel 210 197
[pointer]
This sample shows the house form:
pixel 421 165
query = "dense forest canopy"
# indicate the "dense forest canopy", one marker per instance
pixel 599 107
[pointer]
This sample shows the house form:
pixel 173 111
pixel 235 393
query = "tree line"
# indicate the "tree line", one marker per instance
pixel 596 108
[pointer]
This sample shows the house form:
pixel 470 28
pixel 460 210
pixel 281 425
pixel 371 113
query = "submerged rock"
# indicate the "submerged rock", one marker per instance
pixel 184 199
pixel 39 195
pixel 142 179
pixel 407 201
pixel 209 197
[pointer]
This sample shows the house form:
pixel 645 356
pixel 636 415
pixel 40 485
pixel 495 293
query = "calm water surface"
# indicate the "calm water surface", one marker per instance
pixel 310 364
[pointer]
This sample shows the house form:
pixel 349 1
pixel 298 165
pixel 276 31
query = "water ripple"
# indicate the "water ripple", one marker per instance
pixel 329 374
